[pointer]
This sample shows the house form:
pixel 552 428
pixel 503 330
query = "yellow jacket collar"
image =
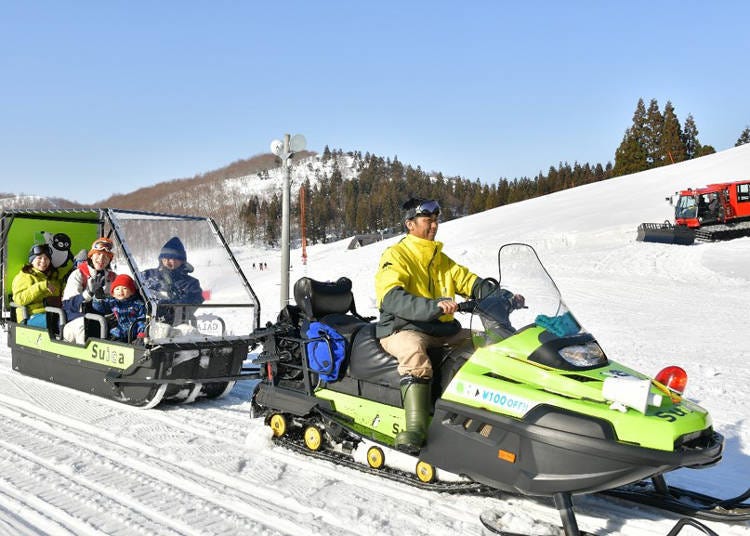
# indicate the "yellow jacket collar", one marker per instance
pixel 424 246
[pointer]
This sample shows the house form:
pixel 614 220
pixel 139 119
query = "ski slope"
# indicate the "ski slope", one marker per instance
pixel 74 464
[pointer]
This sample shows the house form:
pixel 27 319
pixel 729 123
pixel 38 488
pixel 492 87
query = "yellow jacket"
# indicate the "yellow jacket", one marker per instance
pixel 30 289
pixel 413 276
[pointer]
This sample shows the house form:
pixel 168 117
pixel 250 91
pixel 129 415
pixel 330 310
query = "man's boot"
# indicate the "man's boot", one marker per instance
pixel 415 393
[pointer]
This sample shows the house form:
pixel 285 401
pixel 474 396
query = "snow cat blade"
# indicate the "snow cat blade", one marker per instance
pixel 665 233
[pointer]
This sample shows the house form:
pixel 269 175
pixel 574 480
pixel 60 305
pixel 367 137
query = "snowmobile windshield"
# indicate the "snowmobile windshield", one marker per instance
pixel 528 297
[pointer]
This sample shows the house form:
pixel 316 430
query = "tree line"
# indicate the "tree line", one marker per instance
pixel 371 202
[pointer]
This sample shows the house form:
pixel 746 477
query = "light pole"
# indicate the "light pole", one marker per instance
pixel 285 150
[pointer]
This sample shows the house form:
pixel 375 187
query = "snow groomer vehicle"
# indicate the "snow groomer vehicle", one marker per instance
pixel 189 350
pixel 532 405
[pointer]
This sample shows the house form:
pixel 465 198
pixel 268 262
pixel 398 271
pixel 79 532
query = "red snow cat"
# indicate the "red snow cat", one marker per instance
pixel 716 212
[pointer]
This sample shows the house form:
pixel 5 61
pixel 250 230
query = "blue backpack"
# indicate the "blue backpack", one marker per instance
pixel 326 353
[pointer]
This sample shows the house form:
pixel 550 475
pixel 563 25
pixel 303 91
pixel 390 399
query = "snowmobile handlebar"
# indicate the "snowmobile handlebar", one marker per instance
pixel 517 301
pixel 467 306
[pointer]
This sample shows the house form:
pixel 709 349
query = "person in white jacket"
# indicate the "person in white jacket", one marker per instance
pixel 90 278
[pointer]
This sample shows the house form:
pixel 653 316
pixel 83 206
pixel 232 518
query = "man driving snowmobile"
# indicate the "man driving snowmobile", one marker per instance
pixel 415 287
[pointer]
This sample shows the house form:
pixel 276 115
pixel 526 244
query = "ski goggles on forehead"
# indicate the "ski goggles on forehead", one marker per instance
pixel 427 208
pixel 40 249
pixel 102 246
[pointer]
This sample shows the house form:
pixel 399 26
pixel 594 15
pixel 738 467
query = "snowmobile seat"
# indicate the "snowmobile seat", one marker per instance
pixel 331 303
pixel 369 362
pixel 317 299
pixel 346 325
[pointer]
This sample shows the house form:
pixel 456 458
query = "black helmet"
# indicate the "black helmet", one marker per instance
pixel 39 249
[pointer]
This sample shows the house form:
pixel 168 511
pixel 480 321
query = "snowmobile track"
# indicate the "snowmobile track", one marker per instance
pixel 293 443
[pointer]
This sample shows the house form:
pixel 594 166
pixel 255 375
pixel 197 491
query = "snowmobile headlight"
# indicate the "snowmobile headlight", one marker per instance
pixel 584 355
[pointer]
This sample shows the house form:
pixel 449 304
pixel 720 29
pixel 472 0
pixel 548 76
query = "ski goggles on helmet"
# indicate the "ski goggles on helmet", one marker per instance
pixel 428 208
pixel 102 245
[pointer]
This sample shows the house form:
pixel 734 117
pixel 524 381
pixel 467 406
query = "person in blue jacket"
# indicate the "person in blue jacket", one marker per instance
pixel 171 282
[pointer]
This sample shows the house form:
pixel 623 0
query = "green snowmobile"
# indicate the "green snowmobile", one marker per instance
pixel 531 405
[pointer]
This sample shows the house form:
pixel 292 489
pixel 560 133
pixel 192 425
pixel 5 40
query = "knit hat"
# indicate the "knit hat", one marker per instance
pixel 39 249
pixel 124 280
pixel 173 249
pixel 102 245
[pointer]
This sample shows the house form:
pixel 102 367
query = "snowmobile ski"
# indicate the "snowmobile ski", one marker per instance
pixel 659 494
pixel 492 521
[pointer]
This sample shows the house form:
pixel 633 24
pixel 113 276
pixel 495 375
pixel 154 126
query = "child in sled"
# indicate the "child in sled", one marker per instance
pixel 128 308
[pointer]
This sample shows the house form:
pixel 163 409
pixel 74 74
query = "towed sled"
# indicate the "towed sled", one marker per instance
pixel 189 349
pixel 530 405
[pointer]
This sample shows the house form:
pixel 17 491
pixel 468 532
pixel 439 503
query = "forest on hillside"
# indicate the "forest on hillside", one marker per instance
pixel 371 202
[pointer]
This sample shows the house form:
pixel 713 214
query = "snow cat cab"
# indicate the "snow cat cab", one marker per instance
pixel 190 350
pixel 716 212
pixel 530 405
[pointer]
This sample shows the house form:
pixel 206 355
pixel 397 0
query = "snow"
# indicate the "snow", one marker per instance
pixel 75 464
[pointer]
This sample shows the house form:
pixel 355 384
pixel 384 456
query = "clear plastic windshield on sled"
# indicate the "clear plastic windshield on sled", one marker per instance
pixel 187 274
pixel 526 296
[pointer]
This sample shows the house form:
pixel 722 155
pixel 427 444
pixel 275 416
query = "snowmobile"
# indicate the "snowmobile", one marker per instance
pixel 190 350
pixel 530 405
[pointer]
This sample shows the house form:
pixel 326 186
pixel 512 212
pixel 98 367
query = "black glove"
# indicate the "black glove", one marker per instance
pixel 94 286
pixel 518 301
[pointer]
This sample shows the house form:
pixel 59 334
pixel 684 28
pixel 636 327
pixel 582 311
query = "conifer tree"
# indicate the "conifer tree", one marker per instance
pixel 744 137
pixel 690 138
pixel 672 147
pixel 631 155
pixel 653 129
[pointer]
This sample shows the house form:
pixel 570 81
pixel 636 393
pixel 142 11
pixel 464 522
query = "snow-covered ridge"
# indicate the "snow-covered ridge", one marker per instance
pixel 313 169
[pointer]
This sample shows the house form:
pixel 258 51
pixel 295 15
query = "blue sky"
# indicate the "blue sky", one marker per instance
pixel 107 97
